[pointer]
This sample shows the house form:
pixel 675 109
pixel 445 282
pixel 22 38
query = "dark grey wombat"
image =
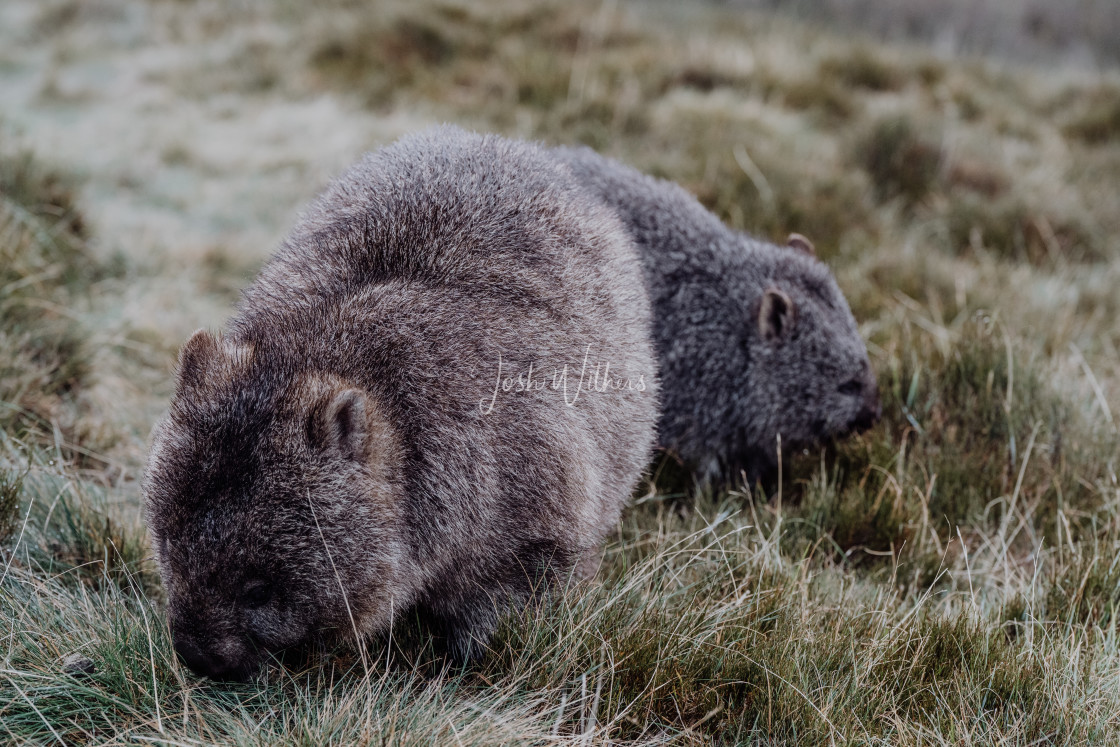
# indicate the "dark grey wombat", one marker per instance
pixel 754 341
pixel 439 393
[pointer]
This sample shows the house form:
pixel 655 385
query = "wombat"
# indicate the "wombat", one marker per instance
pixel 438 395
pixel 754 341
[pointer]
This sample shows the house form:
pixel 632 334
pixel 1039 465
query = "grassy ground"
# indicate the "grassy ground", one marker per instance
pixel 952 576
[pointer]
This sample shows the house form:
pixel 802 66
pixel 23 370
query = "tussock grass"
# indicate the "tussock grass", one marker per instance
pixel 828 98
pixel 974 435
pixel 701 629
pixel 1099 121
pixel 900 162
pixel 11 485
pixel 1018 231
pixel 43 261
pixel 949 577
pixel 863 68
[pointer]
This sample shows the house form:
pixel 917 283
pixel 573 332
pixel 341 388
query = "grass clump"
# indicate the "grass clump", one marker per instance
pixel 1010 228
pixel 383 57
pixel 71 529
pixel 862 68
pixel 11 487
pixel 1099 123
pixel 901 163
pixel 702 78
pixel 44 266
pixel 1087 590
pixel 28 189
pixel 977 177
pixel 401 54
pixel 973 434
pixel 820 95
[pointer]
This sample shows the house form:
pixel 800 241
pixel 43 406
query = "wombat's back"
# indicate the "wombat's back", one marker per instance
pixel 446 207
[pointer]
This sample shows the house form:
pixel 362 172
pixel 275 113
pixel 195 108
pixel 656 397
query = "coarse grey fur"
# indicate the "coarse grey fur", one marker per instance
pixel 754 341
pixel 346 450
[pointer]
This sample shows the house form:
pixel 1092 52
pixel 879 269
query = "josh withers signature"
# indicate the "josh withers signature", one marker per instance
pixel 591 379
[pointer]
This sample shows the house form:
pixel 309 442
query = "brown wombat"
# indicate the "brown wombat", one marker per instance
pixel 439 393
pixel 754 341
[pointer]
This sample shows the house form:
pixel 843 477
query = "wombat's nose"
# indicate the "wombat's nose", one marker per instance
pixel 199 661
pixel 209 665
pixel 875 404
pixel 871 410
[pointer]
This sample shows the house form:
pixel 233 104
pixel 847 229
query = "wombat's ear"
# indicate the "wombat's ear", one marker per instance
pixel 801 244
pixel 195 358
pixel 343 427
pixel 776 314
pixel 204 356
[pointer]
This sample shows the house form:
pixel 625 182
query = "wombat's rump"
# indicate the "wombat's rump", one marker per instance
pixel 754 341
pixel 439 393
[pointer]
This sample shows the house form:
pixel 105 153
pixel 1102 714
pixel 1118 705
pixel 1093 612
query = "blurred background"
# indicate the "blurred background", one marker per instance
pixel 1080 32
pixel 929 149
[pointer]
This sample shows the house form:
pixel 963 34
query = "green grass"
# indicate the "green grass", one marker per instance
pixel 11 486
pixel 700 629
pixel 43 263
pixel 948 577
pixel 1099 121
pixel 900 162
pixel 862 68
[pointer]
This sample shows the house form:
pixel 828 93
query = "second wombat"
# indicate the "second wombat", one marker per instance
pixel 754 341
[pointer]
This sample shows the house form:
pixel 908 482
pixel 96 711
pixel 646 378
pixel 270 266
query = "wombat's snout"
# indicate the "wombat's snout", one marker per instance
pixel 871 410
pixel 236 668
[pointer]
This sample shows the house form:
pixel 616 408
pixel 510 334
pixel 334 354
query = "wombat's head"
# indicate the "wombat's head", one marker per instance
pixel 809 362
pixel 271 497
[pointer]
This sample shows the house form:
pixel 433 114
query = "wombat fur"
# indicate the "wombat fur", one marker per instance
pixel 754 341
pixel 346 451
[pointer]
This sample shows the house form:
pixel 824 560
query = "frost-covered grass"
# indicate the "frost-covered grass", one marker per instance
pixel 952 576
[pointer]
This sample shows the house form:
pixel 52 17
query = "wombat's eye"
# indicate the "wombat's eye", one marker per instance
pixel 853 387
pixel 256 594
